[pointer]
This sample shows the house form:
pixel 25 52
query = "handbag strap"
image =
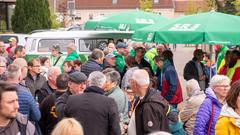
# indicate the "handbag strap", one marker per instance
pixel 56 61
pixel 211 119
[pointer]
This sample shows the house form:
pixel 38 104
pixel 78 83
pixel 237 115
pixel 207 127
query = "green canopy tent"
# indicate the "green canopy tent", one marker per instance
pixel 208 28
pixel 126 21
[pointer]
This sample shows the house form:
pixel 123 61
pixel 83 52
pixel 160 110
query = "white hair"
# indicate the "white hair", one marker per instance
pixel 193 86
pixel 53 70
pixel 160 133
pixel 72 46
pixel 97 78
pixel 20 62
pixel 217 79
pixel 141 77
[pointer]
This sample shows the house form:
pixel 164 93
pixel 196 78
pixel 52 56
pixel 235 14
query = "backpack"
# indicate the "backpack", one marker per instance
pixel 175 124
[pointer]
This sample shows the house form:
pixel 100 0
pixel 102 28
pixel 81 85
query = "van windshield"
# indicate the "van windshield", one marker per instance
pixel 45 45
pixel 5 38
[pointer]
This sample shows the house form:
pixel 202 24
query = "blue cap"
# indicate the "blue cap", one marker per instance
pixel 121 45
pixel 110 55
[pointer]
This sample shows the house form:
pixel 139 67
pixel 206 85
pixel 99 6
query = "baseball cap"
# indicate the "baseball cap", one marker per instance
pixel 121 45
pixel 77 77
pixel 110 55
pixel 12 39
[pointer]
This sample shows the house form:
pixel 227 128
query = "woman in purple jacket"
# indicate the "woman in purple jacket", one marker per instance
pixel 209 111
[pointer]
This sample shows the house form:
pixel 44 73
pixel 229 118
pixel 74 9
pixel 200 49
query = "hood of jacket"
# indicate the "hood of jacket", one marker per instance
pixel 229 112
pixel 212 96
pixel 74 54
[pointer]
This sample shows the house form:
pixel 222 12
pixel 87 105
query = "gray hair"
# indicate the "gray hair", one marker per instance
pixel 141 77
pixel 20 62
pixel 3 59
pixel 113 76
pixel 160 133
pixel 13 72
pixel 96 54
pixel 53 70
pixel 97 78
pixel 72 46
pixel 217 79
pixel 193 86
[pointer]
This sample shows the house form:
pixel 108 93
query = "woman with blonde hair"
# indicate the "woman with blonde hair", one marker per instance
pixel 68 126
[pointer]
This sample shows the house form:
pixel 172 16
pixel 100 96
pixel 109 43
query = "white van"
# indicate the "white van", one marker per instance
pixel 41 43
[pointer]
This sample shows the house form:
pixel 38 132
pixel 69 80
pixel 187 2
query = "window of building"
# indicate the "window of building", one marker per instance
pixel 156 1
pixel 114 1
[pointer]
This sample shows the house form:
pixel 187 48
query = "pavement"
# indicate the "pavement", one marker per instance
pixel 181 56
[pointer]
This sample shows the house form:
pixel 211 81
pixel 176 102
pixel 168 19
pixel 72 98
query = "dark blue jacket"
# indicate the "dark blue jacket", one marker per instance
pixel 90 66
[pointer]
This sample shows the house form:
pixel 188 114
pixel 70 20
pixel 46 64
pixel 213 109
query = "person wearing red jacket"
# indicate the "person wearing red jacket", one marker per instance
pixel 12 43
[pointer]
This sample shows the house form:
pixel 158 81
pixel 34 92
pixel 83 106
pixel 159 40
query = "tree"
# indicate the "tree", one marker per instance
pixel 237 6
pixel 191 8
pixel 146 5
pixel 30 15
pixel 229 7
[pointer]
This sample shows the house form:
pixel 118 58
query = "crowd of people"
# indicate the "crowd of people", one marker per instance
pixel 127 88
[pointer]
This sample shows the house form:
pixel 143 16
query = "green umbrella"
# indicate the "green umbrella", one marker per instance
pixel 130 20
pixel 147 34
pixel 209 28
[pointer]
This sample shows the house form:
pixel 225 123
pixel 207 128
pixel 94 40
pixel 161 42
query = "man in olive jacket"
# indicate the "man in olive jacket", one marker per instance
pixel 150 108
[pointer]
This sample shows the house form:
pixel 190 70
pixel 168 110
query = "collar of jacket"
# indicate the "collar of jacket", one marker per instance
pixel 30 76
pixel 92 60
pixel 111 91
pixel 166 63
pixel 153 95
pixel 94 89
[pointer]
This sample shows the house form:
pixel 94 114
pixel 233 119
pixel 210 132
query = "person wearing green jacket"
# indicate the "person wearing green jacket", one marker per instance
pixel 150 54
pixel 119 55
pixel 72 53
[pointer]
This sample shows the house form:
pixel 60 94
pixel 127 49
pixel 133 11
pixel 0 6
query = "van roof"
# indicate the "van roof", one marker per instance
pixel 83 34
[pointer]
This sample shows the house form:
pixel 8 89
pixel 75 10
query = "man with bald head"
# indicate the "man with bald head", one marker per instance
pixel 150 108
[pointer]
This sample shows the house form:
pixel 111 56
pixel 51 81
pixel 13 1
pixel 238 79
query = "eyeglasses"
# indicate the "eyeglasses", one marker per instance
pixel 223 86
pixel 37 66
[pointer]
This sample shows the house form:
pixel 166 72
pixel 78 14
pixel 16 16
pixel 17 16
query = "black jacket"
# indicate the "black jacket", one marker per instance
pixel 150 114
pixel 43 92
pixel 144 64
pixel 191 71
pixel 34 85
pixel 48 112
pixel 61 103
pixel 97 113
pixel 90 66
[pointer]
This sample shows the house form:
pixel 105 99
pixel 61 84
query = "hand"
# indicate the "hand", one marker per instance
pixel 202 78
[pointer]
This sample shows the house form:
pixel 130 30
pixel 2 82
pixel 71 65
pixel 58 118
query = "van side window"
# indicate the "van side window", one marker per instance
pixel 87 45
pixel 45 45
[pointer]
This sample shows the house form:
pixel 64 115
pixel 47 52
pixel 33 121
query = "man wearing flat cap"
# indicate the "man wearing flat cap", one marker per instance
pixel 76 85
